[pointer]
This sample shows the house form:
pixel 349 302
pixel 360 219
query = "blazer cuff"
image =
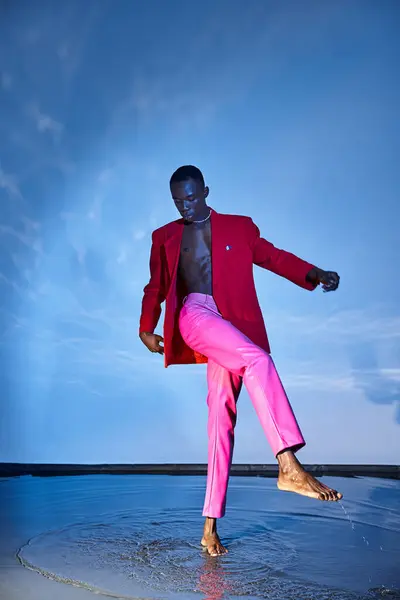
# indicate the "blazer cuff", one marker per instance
pixel 146 326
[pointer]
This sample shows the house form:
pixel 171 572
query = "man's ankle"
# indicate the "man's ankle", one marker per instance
pixel 210 526
pixel 287 461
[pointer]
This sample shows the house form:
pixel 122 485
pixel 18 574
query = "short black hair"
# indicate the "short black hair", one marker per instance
pixel 187 172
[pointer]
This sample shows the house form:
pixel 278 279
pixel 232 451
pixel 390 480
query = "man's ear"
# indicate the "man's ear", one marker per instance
pixel 206 191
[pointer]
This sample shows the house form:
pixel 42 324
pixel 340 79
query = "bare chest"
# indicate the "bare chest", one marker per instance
pixel 195 245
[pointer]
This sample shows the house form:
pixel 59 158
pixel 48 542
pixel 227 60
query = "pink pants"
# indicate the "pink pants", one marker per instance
pixel 231 357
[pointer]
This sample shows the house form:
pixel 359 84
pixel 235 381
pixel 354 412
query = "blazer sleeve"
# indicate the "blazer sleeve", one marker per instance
pixel 154 291
pixel 283 263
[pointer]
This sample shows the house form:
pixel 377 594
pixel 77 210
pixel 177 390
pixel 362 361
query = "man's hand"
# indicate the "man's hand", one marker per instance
pixel 329 279
pixel 152 342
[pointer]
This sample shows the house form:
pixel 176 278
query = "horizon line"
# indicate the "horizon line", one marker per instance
pixel 16 469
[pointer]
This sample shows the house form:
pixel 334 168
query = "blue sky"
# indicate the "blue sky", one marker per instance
pixel 291 111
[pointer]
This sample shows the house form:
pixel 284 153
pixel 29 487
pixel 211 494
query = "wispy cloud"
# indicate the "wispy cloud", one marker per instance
pixel 13 284
pixel 30 241
pixel 29 224
pixel 391 374
pixel 68 215
pixel 9 184
pixel 345 325
pixel 95 210
pixel 153 99
pixel 139 234
pixel 311 381
pixel 346 380
pixel 45 123
pixel 122 255
pixel 105 175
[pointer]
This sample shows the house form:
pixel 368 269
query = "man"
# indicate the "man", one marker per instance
pixel 202 265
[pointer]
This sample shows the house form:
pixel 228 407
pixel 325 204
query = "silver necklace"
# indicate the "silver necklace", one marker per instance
pixel 203 220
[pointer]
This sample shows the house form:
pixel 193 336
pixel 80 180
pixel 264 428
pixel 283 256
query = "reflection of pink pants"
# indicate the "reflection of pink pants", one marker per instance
pixel 231 357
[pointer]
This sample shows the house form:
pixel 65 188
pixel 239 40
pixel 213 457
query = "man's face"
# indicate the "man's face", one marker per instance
pixel 190 199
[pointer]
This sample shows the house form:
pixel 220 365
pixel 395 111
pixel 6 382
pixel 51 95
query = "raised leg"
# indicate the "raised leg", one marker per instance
pixel 204 330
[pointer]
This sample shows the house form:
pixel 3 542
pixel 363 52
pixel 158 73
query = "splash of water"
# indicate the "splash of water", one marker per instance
pixel 366 542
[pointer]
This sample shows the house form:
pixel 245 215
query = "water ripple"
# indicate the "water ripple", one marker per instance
pixel 322 553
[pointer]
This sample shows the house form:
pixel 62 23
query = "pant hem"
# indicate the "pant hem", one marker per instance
pixel 293 447
pixel 213 515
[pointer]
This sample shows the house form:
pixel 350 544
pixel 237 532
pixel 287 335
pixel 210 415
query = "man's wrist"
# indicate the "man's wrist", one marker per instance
pixel 314 276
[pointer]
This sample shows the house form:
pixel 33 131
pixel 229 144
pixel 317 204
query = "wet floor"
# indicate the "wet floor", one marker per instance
pixel 138 536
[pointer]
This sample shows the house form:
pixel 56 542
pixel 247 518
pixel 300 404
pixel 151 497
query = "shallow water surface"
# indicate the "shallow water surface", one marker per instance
pixel 138 536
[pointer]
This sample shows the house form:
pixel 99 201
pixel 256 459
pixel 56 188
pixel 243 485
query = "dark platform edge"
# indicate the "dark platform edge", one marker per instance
pixel 241 470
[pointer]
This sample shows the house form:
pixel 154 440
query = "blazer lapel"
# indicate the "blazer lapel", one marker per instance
pixel 216 228
pixel 172 247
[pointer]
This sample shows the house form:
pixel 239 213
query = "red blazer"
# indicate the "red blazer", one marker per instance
pixel 235 245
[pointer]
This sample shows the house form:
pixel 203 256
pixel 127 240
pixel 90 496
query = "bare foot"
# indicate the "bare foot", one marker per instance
pixel 294 478
pixel 213 544
pixel 210 539
pixel 305 484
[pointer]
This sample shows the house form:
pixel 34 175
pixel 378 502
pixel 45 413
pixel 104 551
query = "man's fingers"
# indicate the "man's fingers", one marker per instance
pixel 334 278
pixel 329 287
pixel 156 349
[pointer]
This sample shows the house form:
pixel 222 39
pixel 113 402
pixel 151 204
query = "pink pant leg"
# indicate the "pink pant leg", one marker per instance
pixel 204 330
pixel 223 392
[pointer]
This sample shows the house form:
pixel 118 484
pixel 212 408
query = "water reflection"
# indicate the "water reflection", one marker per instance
pixel 213 580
